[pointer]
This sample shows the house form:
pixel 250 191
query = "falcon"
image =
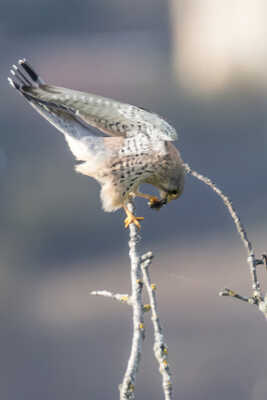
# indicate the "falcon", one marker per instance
pixel 119 145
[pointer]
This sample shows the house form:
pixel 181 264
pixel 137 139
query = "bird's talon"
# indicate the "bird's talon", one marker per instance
pixel 132 219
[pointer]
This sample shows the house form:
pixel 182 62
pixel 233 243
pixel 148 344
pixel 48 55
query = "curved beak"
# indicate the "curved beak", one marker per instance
pixel 167 197
pixel 171 197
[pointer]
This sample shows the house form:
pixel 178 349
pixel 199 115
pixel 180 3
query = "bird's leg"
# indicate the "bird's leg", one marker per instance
pixel 152 200
pixel 131 218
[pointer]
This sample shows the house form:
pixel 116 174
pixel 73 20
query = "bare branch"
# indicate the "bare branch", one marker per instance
pixel 261 303
pixel 263 306
pixel 256 297
pixel 228 292
pixel 241 230
pixel 160 347
pixel 128 383
pixel 123 298
pixel 139 271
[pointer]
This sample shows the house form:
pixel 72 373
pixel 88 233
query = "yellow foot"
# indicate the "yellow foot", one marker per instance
pixel 132 219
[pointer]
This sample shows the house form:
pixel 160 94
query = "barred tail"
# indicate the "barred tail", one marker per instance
pixel 24 76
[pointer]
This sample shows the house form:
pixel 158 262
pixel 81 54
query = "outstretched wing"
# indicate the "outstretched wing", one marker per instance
pixel 109 116
pixel 82 143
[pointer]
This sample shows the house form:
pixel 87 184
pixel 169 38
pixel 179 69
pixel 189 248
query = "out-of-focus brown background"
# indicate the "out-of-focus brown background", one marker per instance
pixel 203 66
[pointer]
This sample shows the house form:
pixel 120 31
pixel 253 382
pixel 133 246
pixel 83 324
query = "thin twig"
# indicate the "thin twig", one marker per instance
pixel 123 298
pixel 160 347
pixel 230 293
pixel 128 384
pixel 239 226
pixel 241 230
pixel 257 297
pixel 261 303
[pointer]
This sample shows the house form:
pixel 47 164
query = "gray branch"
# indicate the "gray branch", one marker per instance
pixel 127 387
pixel 257 297
pixel 128 383
pixel 160 347
pixel 140 273
pixel 123 298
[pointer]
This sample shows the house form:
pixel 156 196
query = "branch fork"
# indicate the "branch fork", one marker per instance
pixel 140 279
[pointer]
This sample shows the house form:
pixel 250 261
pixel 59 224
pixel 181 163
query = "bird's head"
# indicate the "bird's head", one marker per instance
pixel 169 195
pixel 170 190
pixel 172 187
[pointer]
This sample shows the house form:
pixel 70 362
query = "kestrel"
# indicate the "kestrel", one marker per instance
pixel 136 150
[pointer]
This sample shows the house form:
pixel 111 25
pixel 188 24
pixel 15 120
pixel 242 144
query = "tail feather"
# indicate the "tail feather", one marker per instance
pixel 19 74
pixel 13 83
pixel 30 71
pixel 24 76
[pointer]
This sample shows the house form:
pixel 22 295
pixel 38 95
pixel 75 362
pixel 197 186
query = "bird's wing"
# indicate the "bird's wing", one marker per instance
pixel 109 116
pixel 81 141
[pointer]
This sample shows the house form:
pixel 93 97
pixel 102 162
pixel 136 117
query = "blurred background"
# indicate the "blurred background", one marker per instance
pixel 202 64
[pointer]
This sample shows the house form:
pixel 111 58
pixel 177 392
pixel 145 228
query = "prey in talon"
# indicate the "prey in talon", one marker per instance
pixel 157 204
pixel 128 146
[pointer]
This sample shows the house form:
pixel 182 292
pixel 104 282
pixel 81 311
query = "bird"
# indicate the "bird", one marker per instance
pixel 119 145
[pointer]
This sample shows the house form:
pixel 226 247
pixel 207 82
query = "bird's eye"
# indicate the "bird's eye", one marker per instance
pixel 174 192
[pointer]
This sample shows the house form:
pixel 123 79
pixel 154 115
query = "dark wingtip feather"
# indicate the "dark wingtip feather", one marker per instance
pixel 24 76
pixel 30 71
